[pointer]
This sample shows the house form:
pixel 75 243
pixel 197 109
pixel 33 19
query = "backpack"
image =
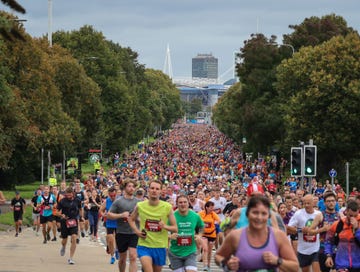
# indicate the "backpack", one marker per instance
pixel 339 228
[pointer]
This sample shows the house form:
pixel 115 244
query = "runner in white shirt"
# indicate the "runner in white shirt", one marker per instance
pixel 308 245
pixel 196 204
pixel 219 205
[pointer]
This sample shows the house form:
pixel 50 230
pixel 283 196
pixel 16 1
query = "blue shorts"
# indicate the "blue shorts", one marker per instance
pixel 158 255
pixel 217 228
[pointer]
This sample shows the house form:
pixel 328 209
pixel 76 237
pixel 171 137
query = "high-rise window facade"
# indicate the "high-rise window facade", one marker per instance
pixel 205 66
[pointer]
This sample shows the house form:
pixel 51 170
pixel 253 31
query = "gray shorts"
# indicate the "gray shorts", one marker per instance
pixel 187 262
pixel 35 216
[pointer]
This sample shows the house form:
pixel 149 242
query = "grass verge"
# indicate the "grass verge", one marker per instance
pixel 7 219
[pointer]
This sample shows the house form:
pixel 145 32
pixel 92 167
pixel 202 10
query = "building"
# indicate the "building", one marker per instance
pixel 205 66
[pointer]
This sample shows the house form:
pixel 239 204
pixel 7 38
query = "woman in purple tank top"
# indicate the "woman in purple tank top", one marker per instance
pixel 257 247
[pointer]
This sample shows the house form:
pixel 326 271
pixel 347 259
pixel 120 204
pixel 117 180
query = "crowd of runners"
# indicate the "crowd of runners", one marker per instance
pixel 191 196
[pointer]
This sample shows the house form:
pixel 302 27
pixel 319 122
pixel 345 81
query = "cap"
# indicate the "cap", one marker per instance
pixel 139 192
pixel 17 193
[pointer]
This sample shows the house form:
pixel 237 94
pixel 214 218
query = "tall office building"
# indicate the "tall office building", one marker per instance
pixel 205 66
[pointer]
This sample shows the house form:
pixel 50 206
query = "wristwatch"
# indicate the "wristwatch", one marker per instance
pixel 279 261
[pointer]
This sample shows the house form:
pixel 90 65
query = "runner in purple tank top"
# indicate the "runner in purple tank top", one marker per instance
pixel 258 246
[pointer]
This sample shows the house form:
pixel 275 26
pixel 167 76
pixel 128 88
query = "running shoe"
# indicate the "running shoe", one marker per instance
pixel 82 234
pixel 62 251
pixel 112 260
pixel 16 234
pixel 20 229
pixel 48 236
pixel 53 239
pixel 206 268
pixel 77 240
pixel 45 241
pixel 71 261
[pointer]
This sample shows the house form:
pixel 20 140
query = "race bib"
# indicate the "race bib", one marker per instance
pixel 207 225
pixel 152 225
pixel 309 238
pixel 184 240
pixel 71 223
pixel 17 209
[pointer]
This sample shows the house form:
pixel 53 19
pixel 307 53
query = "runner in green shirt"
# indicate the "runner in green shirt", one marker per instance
pixel 182 252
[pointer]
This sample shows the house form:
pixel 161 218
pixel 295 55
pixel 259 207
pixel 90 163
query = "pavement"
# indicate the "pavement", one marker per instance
pixel 27 253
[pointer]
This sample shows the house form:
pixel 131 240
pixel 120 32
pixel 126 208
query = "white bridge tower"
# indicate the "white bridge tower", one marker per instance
pixel 167 64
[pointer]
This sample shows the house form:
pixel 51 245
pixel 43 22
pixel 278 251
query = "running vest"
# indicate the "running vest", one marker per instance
pixel 196 207
pixel 329 218
pixel 48 202
pixel 110 223
pixel 250 257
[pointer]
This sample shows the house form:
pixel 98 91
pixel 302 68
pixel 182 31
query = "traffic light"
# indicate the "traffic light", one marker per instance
pixel 296 161
pixel 310 156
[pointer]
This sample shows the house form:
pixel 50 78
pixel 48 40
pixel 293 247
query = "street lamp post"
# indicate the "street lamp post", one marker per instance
pixel 50 22
pixel 289 45
pixel 284 44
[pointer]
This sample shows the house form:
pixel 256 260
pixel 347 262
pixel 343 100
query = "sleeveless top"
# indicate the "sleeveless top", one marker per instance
pixel 251 257
pixel 196 207
pixel 329 218
pixel 110 223
pixel 243 221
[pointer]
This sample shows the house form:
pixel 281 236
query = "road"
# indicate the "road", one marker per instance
pixel 28 253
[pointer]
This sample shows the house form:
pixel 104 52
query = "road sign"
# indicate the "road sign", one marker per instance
pixel 94 157
pixel 332 173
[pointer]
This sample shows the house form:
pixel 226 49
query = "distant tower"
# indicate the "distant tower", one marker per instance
pixel 167 64
pixel 205 66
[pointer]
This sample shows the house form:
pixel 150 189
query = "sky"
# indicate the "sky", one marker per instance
pixel 189 27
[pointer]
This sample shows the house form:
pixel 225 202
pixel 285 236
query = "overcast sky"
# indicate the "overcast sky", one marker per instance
pixel 189 26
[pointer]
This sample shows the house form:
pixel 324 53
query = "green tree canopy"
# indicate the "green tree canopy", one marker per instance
pixel 320 93
pixel 314 30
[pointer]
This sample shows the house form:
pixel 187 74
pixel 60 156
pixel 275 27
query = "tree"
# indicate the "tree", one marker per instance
pixel 314 30
pixel 39 121
pixel 227 111
pixel 126 88
pixel 10 29
pixel 254 109
pixel 164 102
pixel 320 92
